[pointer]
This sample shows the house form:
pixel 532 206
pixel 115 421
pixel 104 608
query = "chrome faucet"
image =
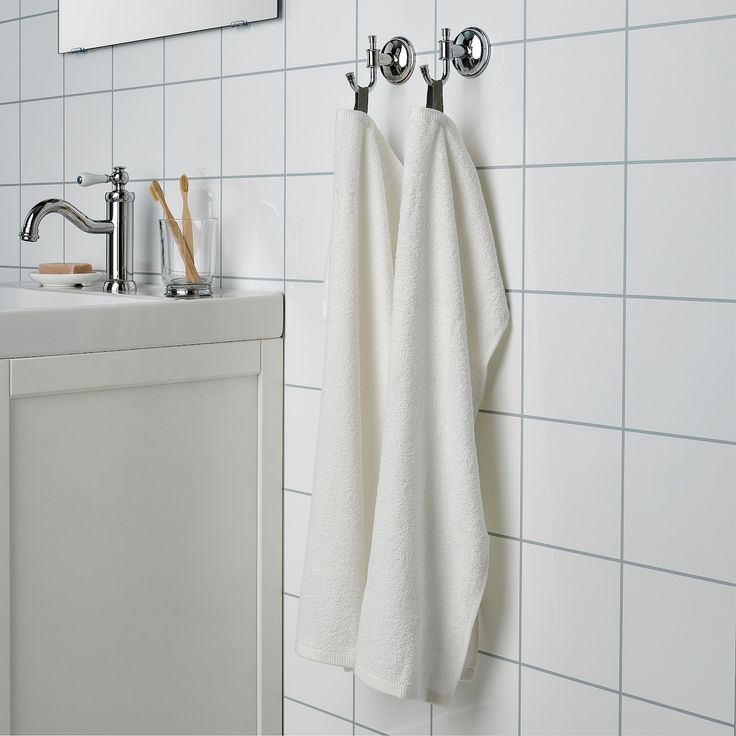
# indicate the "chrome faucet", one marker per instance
pixel 118 227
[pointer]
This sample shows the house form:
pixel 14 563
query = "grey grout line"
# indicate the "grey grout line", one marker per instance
pixel 522 359
pixel 623 375
pixel 317 708
pixel 597 686
pixel 635 430
pixel 20 143
pixel 221 170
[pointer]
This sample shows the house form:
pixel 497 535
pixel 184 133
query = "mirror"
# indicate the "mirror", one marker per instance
pixel 87 24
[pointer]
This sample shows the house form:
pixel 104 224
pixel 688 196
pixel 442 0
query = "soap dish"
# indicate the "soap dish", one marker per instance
pixel 65 279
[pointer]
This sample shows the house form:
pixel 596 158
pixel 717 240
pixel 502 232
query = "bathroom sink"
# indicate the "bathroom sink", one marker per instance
pixel 37 320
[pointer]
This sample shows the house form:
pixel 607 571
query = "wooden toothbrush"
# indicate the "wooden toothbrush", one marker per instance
pixel 186 215
pixel 191 270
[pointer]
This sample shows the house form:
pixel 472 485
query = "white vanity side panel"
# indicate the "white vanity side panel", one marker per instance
pixel 4 547
pixel 88 371
pixel 134 585
pixel 270 545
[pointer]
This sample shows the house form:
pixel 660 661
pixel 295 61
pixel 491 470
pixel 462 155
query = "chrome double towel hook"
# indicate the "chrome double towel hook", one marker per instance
pixel 396 60
pixel 469 53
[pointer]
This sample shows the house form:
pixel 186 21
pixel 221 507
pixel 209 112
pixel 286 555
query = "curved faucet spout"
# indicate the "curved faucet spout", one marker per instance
pixel 29 232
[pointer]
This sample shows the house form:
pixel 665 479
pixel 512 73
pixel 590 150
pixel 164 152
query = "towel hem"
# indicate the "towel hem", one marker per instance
pixel 345 660
pixel 402 690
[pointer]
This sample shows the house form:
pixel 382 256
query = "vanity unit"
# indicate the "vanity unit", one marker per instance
pixel 140 512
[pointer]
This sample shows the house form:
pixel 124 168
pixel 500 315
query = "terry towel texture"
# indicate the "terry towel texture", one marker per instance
pixel 366 199
pixel 408 626
pixel 429 554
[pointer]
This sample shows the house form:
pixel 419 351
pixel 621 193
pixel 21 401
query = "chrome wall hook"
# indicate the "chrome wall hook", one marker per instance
pixel 469 53
pixel 396 60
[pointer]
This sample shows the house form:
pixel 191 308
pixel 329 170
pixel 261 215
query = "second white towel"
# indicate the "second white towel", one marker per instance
pixel 429 554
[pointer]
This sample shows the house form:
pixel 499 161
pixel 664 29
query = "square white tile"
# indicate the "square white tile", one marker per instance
pixel 9 62
pixel 646 719
pixel 138 141
pixel 252 284
pixel 310 137
pixel 575 229
pixel 41 66
pixel 42 144
pixel 680 490
pixel 678 641
pixel 413 19
pixel 642 12
pixel 28 7
pixel 502 20
pixel 572 486
pixel 387 714
pixel 253 227
pixel 257 47
pixel 575 99
pixel 10 215
pixel 680 364
pixel 554 706
pixel 88 134
pixel 692 118
pixel 9 142
pixel 138 63
pixel 9 274
pixel 671 208
pixel 253 138
pixel 570 614
pixel 503 191
pixel 308 224
pixel 192 56
pixel 321 685
pixel 303 335
pixel 498 439
pixel 90 71
pixel 50 245
pixel 556 17
pixel 498 618
pixel 192 133
pixel 503 389
pixel 9 9
pixel 305 23
pixel 301 415
pixel 492 127
pixel 572 356
pixel 488 704
pixel 79 246
pixel 296 524
pixel 300 720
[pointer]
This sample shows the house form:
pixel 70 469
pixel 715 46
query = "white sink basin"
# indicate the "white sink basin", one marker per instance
pixel 37 320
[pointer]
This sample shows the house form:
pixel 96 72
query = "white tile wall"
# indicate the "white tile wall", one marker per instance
pixel 678 641
pixel 577 134
pixel 554 706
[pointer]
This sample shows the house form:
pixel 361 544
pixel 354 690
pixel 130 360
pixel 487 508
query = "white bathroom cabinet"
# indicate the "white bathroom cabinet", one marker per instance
pixel 140 540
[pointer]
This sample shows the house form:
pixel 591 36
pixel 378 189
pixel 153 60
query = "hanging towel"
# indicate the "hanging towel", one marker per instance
pixel 359 284
pixel 429 553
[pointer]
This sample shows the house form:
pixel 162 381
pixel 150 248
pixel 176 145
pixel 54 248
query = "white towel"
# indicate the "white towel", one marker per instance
pixel 429 553
pixel 367 192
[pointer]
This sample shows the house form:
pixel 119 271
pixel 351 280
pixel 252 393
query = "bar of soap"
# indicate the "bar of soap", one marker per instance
pixel 65 268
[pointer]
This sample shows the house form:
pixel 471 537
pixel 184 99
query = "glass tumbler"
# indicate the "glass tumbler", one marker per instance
pixel 188 255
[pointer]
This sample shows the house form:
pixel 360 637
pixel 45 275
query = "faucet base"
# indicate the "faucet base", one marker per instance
pixel 116 286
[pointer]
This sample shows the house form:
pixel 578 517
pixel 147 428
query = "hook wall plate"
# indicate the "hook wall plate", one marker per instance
pixel 471 51
pixel 397 60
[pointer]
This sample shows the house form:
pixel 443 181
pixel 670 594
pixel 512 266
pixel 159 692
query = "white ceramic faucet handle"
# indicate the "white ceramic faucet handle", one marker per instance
pixel 85 179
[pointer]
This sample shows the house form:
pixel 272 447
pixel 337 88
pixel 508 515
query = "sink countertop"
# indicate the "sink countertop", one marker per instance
pixel 36 320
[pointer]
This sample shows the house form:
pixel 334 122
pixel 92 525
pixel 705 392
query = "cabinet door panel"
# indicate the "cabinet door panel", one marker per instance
pixel 133 552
